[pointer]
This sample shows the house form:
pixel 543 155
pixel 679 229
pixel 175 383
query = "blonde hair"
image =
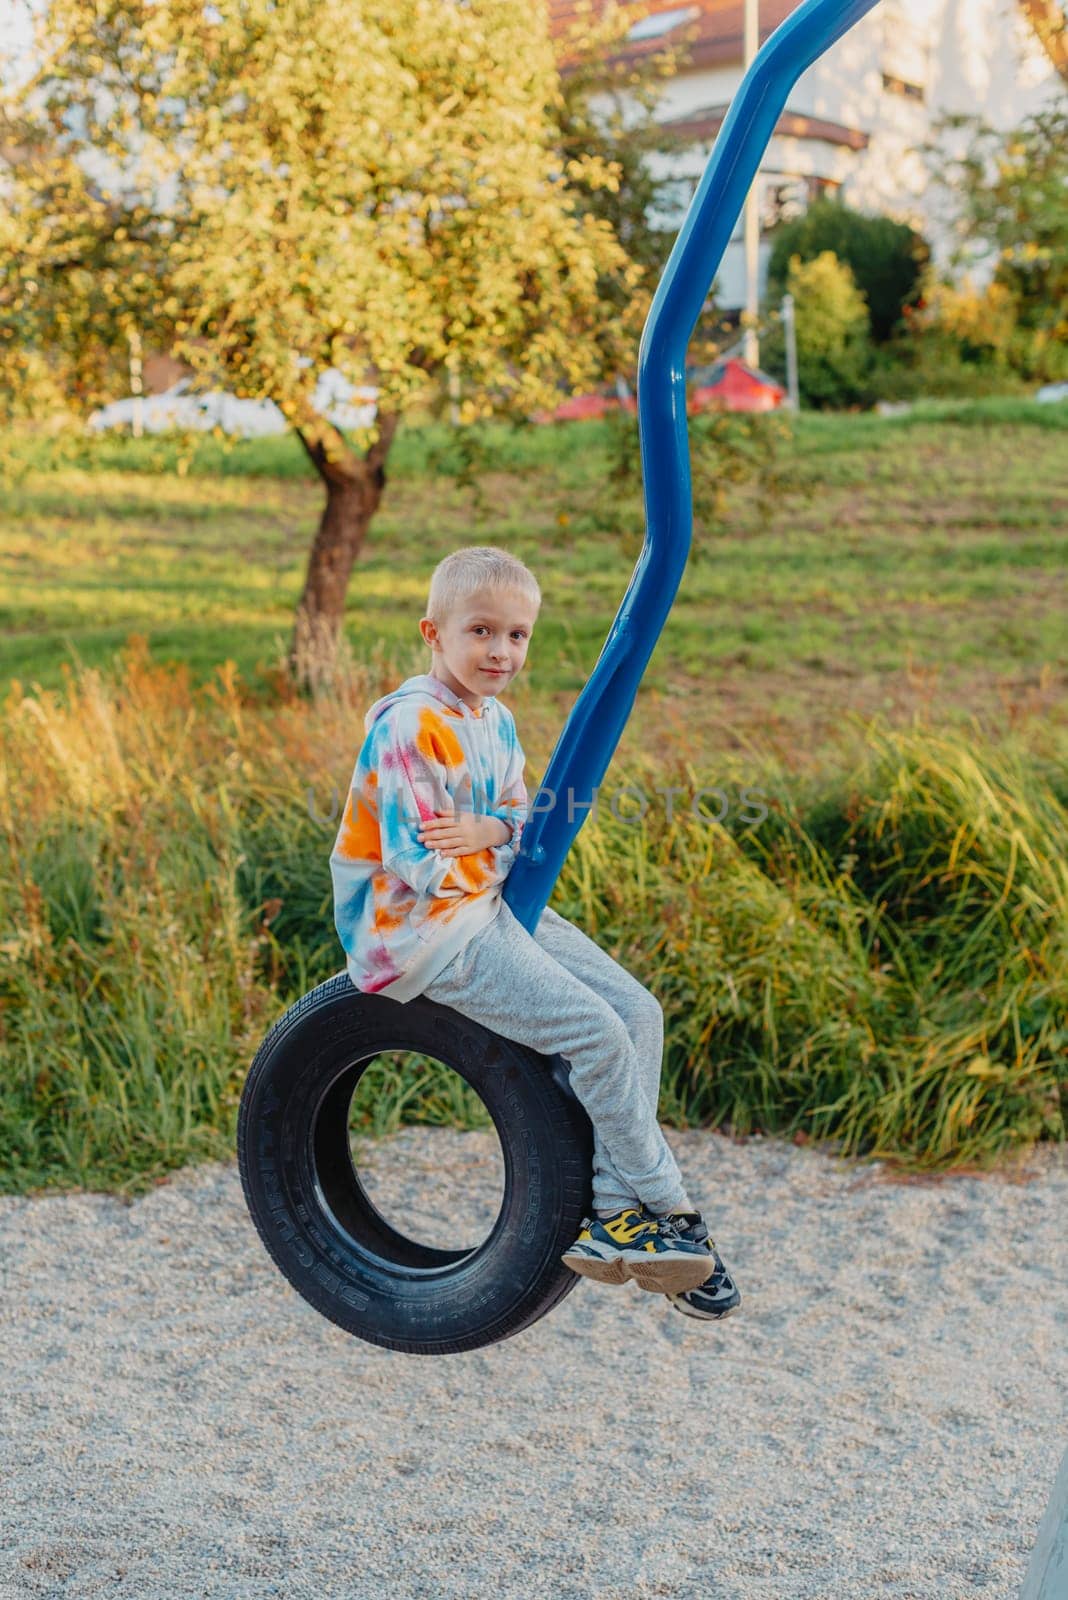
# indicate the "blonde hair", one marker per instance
pixel 468 571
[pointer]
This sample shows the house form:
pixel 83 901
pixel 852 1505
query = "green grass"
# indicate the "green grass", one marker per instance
pixel 883 565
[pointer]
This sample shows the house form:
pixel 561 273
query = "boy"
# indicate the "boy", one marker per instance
pixel 430 830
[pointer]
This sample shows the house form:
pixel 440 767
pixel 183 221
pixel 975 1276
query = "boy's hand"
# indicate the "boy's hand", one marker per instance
pixel 462 833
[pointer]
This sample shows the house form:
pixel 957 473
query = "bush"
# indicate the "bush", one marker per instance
pixel 1007 200
pixel 962 340
pixel 938 371
pixel 834 353
pixel 887 258
pixel 981 322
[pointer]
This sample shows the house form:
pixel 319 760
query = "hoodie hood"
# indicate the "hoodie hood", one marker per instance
pixel 422 687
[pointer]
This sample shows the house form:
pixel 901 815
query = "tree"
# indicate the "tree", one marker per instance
pixel 1007 199
pixel 833 344
pixel 278 186
pixel 886 258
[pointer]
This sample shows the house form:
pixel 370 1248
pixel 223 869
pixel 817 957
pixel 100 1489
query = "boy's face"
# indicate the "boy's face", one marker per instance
pixel 479 650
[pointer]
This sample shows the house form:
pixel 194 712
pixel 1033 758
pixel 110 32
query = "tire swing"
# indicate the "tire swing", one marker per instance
pixel 303 1189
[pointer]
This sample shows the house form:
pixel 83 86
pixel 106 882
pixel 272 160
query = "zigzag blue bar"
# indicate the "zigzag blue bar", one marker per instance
pixel 599 715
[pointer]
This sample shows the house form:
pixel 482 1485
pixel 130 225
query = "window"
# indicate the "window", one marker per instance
pixel 822 188
pixel 781 199
pixel 893 85
pixel 906 48
pixel 784 197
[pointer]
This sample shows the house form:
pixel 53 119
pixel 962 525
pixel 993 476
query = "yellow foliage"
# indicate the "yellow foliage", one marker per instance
pixel 292 168
pixel 827 300
pixel 980 317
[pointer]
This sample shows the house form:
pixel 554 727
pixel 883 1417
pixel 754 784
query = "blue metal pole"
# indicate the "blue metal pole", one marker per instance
pixel 599 715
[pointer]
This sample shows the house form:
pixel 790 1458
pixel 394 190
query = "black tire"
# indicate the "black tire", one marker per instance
pixel 317 1220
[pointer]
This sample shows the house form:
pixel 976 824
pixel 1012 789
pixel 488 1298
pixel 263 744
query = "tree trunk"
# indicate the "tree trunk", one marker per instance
pixel 354 488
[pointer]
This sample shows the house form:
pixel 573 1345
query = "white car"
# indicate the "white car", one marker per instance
pixel 181 407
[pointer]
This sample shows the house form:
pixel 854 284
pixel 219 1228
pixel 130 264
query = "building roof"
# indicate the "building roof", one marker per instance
pixel 714 29
pixel 705 124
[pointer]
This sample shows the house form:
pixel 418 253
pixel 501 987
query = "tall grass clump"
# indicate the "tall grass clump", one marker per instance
pixel 138 970
pixel 126 979
pixel 963 848
pixel 882 964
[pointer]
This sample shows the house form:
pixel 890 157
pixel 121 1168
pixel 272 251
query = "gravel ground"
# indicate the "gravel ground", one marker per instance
pixel 884 1417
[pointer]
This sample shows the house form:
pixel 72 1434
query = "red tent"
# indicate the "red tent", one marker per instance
pixel 736 387
pixel 732 387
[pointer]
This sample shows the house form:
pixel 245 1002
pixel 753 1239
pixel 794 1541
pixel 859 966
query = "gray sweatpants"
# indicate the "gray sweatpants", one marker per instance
pixel 559 992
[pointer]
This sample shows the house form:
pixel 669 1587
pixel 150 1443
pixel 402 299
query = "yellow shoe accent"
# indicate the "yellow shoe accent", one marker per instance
pixel 622 1231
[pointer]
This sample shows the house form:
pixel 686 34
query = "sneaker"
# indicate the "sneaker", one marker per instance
pixel 634 1244
pixel 718 1295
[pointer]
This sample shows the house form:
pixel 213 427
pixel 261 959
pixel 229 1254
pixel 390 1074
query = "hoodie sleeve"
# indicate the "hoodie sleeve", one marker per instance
pixel 418 768
pixel 513 803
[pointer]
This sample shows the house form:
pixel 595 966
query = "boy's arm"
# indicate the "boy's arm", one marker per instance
pixel 412 785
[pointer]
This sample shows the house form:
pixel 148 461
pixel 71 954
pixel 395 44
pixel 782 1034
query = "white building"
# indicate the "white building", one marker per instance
pixel 854 121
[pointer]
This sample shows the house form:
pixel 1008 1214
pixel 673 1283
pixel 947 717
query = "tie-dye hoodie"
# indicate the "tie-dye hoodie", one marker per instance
pixel 402 911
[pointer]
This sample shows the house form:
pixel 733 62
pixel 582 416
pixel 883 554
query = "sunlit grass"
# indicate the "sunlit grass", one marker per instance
pixel 900 565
